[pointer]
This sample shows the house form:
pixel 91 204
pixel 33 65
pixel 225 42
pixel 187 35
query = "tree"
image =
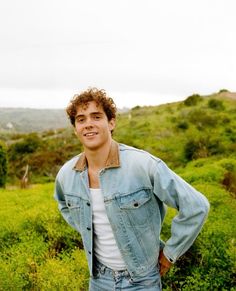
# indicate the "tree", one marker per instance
pixel 3 165
pixel 28 145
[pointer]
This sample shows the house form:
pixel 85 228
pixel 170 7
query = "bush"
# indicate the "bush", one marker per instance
pixel 3 165
pixel 215 104
pixel 231 134
pixel 38 250
pixel 68 273
pixel 206 266
pixel 28 145
pixel 202 119
pixel 183 125
pixel 229 182
pixel 201 171
pixel 223 91
pixel 195 149
pixel 192 100
pixel 202 147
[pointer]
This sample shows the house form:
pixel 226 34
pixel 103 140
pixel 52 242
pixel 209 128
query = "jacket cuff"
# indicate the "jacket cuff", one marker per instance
pixel 170 258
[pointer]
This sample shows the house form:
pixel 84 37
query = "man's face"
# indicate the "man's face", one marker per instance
pixel 92 126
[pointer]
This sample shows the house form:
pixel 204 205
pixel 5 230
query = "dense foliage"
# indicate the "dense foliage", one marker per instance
pixel 38 250
pixel 196 138
pixel 3 165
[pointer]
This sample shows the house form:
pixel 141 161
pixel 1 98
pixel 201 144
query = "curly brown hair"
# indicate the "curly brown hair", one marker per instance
pixel 91 94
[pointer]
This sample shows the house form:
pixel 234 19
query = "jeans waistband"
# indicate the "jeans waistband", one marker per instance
pixel 99 267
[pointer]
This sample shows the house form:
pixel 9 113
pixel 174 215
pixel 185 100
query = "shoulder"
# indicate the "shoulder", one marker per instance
pixel 68 167
pixel 129 154
pixel 131 150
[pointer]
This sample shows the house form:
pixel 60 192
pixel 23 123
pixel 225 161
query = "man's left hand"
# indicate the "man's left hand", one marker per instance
pixel 165 265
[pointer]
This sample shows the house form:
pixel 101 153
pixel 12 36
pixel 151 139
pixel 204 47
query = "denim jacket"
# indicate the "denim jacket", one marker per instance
pixel 136 187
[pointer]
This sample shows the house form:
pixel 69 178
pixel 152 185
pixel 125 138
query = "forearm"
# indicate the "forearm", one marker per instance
pixel 185 228
pixel 191 205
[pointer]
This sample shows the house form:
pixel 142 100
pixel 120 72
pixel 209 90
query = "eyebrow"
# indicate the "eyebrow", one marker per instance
pixel 92 113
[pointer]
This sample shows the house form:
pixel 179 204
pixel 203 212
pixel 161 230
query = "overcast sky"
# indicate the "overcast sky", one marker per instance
pixel 139 51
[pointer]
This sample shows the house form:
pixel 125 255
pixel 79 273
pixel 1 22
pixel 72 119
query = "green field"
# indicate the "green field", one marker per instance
pixel 40 252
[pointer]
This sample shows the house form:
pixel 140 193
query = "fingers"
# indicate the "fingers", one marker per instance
pixel 164 270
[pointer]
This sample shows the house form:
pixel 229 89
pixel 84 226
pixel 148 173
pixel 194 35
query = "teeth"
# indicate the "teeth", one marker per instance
pixel 90 134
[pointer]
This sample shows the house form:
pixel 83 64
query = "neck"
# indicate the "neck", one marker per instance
pixel 97 158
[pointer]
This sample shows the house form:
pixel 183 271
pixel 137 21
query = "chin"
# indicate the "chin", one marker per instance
pixel 92 146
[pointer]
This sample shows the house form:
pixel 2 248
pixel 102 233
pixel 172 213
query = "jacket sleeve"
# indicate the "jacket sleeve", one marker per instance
pixel 192 209
pixel 62 206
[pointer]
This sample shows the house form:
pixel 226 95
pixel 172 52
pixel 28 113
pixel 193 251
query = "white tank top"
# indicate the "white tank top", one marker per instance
pixel 105 247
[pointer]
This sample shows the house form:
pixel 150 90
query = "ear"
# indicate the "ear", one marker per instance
pixel 112 124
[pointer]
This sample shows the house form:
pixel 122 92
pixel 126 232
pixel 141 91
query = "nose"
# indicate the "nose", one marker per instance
pixel 89 123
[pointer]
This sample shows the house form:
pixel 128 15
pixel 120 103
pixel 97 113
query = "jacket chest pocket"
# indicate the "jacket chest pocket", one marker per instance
pixel 74 205
pixel 136 207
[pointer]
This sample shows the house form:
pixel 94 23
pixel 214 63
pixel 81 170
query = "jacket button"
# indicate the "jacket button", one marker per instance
pixel 136 204
pixel 88 228
pixel 69 204
pixel 88 203
pixel 89 252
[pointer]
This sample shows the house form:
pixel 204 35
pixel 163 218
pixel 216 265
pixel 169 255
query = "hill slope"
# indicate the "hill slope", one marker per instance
pixel 177 133
pixel 29 120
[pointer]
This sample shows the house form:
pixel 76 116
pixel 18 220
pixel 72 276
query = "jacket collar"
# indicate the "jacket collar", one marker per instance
pixel 113 160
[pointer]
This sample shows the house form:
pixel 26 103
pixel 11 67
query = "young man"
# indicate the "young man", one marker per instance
pixel 115 195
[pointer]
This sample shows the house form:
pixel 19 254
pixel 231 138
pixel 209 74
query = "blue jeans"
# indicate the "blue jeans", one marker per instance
pixel 106 279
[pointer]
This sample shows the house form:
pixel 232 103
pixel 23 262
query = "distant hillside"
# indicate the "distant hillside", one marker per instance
pixel 30 120
pixel 26 120
pixel 198 127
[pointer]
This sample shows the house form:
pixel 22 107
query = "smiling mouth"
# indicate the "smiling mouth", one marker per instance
pixel 90 134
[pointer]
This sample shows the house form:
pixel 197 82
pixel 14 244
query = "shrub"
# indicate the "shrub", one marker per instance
pixel 202 147
pixel 201 171
pixel 136 108
pixel 192 100
pixel 226 120
pixel 28 145
pixel 183 125
pixel 68 273
pixel 231 134
pixel 215 104
pixel 214 271
pixel 202 119
pixel 3 165
pixel 229 182
pixel 195 149
pixel 223 91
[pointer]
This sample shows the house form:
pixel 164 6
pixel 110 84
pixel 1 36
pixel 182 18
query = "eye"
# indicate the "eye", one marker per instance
pixel 97 117
pixel 80 119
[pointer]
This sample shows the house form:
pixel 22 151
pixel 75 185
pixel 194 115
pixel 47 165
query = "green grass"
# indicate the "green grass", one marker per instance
pixel 39 251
